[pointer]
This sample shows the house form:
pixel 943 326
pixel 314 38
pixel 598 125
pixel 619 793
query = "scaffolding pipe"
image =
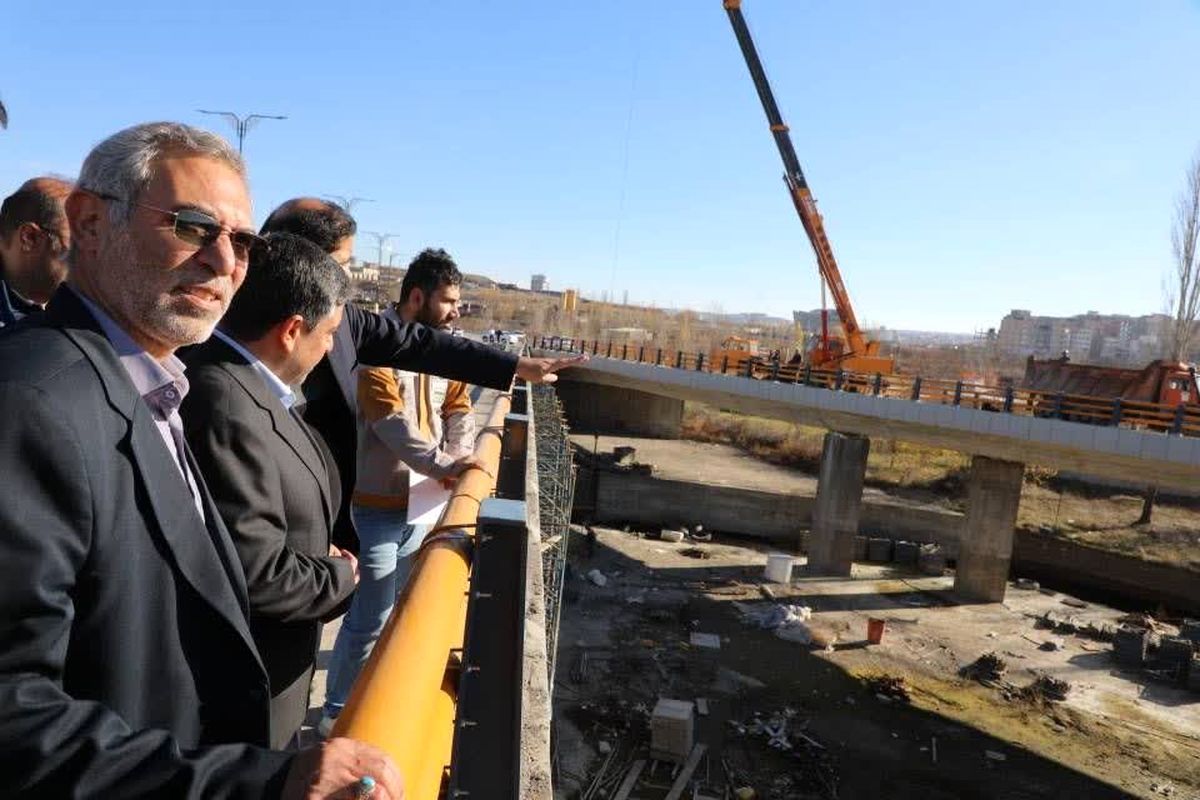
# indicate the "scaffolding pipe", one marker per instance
pixel 404 700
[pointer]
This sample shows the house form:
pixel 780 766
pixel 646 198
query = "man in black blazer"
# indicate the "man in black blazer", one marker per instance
pixel 375 341
pixel 127 667
pixel 265 467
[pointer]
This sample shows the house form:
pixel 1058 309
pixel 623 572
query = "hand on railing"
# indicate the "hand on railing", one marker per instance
pixel 336 769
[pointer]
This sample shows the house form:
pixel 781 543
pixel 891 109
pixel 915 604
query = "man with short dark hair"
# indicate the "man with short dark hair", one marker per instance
pixel 268 473
pixel 370 339
pixel 406 422
pixel 34 240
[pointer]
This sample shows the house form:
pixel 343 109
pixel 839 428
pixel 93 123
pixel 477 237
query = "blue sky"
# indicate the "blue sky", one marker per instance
pixel 969 158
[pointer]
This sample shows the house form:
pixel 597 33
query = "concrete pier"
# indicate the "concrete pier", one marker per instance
pixel 838 503
pixel 594 408
pixel 986 545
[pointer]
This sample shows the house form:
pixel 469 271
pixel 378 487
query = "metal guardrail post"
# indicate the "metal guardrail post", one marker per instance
pixel 625 352
pixel 487 733
pixel 595 346
pixel 658 358
pixel 774 370
pixel 1058 405
pixel 749 368
pixel 1116 412
pixel 1177 425
pixel 957 392
pixel 808 375
pixel 878 384
pixel 519 399
pixel 641 353
pixel 724 363
pixel 678 359
pixel 837 381
pixel 608 354
pixel 700 363
pixel 916 390
pixel 1008 399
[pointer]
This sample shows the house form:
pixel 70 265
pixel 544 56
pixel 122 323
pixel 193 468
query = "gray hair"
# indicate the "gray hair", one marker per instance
pixel 123 165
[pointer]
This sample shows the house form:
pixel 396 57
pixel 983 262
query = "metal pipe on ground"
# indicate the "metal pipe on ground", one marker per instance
pixel 404 700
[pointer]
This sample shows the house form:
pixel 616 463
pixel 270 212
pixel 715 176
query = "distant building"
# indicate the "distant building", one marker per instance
pixel 1113 338
pixel 538 283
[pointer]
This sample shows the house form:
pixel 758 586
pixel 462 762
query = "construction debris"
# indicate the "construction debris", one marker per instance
pixel 1027 583
pixel 887 687
pixel 1045 688
pixel 597 577
pixel 671 730
pixel 1130 646
pixel 672 535
pixel 932 560
pixel 988 669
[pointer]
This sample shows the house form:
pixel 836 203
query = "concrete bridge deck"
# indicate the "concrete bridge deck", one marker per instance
pixel 1149 457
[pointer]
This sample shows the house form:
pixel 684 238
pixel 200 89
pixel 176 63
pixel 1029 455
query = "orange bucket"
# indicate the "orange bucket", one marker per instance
pixel 875 628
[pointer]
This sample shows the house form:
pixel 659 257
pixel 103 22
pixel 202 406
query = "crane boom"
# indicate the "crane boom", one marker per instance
pixel 802 198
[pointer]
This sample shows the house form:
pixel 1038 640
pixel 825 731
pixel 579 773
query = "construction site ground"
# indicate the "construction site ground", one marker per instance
pixel 1090 516
pixel 628 642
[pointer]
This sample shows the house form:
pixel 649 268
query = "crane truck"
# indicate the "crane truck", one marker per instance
pixel 851 351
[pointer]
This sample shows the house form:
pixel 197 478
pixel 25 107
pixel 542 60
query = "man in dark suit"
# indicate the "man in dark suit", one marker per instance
pixel 264 466
pixel 376 341
pixel 127 667
pixel 34 239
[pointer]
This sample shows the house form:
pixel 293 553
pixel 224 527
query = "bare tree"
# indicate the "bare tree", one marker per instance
pixel 1184 282
pixel 1182 289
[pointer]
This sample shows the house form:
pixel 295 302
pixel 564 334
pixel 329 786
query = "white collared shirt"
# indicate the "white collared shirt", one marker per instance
pixel 273 381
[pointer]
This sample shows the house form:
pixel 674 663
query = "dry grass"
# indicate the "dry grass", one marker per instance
pixel 924 473
pixel 1088 515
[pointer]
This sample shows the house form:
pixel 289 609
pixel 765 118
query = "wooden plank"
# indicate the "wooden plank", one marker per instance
pixel 685 774
pixel 631 778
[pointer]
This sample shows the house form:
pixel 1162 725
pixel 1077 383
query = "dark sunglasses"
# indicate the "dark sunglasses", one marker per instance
pixel 200 230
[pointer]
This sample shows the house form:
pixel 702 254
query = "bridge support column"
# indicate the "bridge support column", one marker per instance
pixel 839 501
pixel 985 547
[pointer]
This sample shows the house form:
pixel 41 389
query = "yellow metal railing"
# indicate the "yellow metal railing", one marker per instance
pixel 404 700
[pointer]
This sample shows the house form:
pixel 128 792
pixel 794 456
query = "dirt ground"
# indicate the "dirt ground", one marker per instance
pixel 1094 517
pixel 627 643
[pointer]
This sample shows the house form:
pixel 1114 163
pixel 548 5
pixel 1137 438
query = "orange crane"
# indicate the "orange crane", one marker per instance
pixel 852 351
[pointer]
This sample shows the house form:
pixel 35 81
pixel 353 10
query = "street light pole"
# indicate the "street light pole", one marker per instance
pixel 347 203
pixel 241 124
pixel 380 240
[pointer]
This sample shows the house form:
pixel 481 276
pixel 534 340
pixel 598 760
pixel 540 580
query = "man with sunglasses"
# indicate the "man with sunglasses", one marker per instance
pixel 127 665
pixel 34 238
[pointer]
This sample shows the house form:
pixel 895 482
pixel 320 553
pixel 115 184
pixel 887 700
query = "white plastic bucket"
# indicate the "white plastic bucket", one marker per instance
pixel 779 568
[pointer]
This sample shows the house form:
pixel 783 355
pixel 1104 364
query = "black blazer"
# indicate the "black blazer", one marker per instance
pixel 127 668
pixel 377 341
pixel 271 485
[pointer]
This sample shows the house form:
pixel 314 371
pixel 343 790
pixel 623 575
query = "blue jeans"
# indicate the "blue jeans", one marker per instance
pixel 387 544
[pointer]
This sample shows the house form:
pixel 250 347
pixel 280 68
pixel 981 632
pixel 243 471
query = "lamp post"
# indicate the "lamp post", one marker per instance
pixel 380 240
pixel 347 203
pixel 241 124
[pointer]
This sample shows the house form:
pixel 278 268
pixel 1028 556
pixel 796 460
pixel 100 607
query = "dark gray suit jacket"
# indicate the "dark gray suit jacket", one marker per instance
pixel 271 483
pixel 127 668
